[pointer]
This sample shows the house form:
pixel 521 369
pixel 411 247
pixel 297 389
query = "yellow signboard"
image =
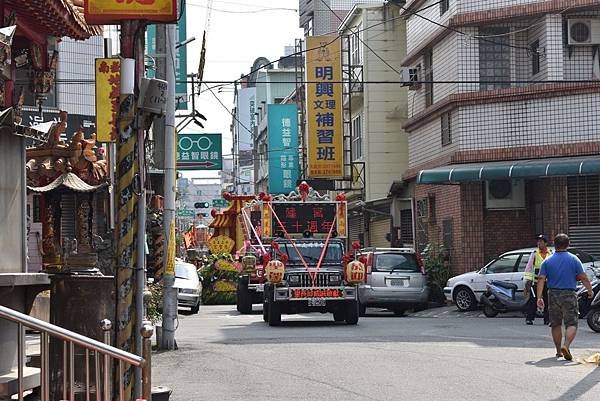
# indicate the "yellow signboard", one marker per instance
pixel 113 11
pixel 170 265
pixel 220 244
pixel 324 107
pixel 108 88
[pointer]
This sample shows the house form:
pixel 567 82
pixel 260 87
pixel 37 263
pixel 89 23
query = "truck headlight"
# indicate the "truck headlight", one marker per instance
pixel 335 279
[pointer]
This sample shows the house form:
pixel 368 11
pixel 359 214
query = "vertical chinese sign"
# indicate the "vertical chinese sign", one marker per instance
pixel 282 131
pixel 108 83
pixel 325 140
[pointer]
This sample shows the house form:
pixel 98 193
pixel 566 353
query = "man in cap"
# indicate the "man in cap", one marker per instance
pixel 541 253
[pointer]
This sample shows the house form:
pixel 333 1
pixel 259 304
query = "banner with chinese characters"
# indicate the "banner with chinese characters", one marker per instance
pixel 113 11
pixel 325 141
pixel 108 88
pixel 282 132
pixel 199 152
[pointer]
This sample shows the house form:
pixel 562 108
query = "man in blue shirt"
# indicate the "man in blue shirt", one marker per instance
pixel 561 272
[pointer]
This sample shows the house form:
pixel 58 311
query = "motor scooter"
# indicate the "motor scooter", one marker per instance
pixel 593 316
pixel 583 301
pixel 502 297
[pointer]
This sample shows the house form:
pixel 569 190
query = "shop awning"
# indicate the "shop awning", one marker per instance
pixel 535 168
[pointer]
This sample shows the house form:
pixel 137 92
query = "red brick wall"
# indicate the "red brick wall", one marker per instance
pixel 471 255
pixel 505 230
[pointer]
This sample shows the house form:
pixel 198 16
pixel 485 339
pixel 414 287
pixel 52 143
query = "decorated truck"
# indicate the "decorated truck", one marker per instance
pixel 294 258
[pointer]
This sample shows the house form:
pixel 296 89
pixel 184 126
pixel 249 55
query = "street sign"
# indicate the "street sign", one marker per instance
pixel 220 203
pixel 199 152
pixel 185 213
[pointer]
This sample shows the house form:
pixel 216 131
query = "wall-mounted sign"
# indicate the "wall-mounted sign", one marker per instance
pixel 282 133
pixel 108 88
pixel 325 140
pixel 113 11
pixel 199 152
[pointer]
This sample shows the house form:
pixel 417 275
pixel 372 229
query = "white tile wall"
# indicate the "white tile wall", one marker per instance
pixel 76 63
pixel 425 144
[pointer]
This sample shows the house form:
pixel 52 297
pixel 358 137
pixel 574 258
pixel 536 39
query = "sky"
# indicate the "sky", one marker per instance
pixel 240 31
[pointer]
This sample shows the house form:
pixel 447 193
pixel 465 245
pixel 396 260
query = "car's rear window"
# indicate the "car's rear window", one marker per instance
pixel 406 262
pixel 583 257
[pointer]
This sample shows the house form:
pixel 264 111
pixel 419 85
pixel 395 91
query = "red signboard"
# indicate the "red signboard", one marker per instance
pixel 317 293
pixel 115 11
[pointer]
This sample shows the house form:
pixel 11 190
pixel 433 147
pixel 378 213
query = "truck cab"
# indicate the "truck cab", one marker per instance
pixel 305 288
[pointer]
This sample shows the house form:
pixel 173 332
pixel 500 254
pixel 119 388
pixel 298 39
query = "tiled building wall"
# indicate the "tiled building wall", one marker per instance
pixel 419 30
pixel 425 143
pixel 466 6
pixel 76 66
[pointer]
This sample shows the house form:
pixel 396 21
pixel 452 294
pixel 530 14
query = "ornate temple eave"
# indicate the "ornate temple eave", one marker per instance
pixel 68 180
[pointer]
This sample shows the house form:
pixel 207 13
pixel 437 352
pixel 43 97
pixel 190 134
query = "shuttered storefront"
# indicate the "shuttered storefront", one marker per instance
pixel 356 228
pixel 584 213
pixel 378 231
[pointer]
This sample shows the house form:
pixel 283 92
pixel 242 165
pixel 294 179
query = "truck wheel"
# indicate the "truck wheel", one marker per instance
pixel 362 310
pixel 339 316
pixel 274 311
pixel 265 311
pixel 351 312
pixel 244 299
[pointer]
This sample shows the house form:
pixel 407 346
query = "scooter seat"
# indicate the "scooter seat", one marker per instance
pixel 503 284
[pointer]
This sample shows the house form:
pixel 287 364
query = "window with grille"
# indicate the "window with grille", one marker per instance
pixel 444 6
pixel 428 65
pixel 494 58
pixel 447 233
pixel 356 48
pixel 357 137
pixel 446 129
pixel 422 209
pixel 535 58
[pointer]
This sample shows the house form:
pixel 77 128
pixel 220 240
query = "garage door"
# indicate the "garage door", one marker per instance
pixel 584 213
pixel 378 231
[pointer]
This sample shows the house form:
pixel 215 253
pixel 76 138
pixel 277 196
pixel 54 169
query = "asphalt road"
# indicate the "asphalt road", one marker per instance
pixel 438 354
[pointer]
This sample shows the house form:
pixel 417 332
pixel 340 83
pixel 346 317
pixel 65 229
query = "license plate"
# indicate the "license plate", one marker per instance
pixel 398 282
pixel 316 302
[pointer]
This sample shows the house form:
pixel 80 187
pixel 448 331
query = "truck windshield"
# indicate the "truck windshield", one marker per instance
pixel 311 252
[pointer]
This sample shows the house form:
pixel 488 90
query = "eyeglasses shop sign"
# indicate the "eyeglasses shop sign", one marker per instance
pixel 199 152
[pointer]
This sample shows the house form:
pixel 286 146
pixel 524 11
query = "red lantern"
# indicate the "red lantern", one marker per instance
pixel 341 197
pixel 355 245
pixel 261 196
pixel 274 271
pixel 285 258
pixel 213 213
pixel 355 272
pixel 275 245
pixel 227 196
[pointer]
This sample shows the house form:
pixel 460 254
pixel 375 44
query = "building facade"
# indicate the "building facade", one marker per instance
pixel 373 50
pixel 502 124
pixel 322 17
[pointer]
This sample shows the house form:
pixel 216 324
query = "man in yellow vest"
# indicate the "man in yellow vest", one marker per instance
pixel 541 253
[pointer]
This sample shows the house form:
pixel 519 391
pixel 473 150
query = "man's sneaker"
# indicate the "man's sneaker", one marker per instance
pixel 529 322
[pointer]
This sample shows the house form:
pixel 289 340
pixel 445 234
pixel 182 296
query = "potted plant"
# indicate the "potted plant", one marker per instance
pixel 154 309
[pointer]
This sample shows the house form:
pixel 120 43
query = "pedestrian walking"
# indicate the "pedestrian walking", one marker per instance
pixel 537 257
pixel 560 273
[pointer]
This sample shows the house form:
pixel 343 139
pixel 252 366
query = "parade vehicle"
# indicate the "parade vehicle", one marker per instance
pixel 297 245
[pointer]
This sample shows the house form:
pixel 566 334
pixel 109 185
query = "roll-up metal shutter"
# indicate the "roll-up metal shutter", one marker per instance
pixel 584 213
pixel 356 228
pixel 378 231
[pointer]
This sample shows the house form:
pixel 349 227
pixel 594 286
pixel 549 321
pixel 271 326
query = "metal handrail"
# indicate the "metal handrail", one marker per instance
pixel 67 335
pixel 102 351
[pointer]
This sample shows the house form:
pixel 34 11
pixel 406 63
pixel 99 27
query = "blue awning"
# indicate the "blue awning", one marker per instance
pixel 535 168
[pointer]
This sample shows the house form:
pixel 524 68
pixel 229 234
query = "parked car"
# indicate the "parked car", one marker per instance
pixel 187 283
pixel 465 290
pixel 396 280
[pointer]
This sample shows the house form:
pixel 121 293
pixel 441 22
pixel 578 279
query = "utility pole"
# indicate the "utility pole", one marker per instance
pixel 169 293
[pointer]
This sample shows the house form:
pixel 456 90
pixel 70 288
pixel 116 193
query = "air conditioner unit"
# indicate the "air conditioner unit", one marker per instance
pixel 505 194
pixel 584 31
pixel 410 75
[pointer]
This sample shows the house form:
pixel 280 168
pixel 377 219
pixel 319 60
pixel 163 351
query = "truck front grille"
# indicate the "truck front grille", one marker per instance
pixel 322 279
